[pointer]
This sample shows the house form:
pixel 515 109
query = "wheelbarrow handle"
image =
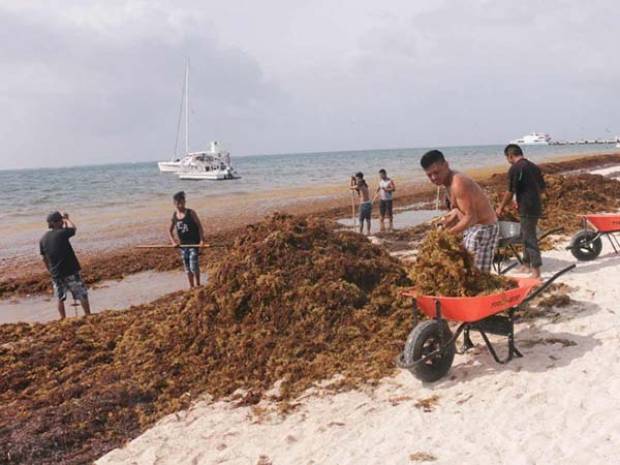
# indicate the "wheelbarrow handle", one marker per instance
pixel 548 283
pixel 551 231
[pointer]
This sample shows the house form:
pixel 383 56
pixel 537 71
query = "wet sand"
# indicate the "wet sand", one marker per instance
pixel 108 295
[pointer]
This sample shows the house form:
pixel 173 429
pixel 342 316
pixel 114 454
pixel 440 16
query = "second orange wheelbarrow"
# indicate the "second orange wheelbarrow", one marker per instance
pixel 587 244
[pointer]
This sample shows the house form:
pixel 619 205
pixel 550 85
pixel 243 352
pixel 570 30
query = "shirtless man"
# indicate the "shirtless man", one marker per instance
pixel 361 188
pixel 471 211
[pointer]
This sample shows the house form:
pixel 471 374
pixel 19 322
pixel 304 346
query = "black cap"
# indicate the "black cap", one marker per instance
pixel 54 217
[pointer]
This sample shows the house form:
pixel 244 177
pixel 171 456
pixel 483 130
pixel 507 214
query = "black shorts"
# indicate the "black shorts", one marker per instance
pixel 385 208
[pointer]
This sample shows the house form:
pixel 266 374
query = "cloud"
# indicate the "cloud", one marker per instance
pixel 77 93
pixel 101 81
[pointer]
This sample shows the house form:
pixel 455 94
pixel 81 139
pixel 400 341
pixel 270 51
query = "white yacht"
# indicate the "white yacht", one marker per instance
pixel 535 138
pixel 212 165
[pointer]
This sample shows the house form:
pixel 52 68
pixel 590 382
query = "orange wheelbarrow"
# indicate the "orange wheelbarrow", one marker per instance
pixel 431 345
pixel 587 244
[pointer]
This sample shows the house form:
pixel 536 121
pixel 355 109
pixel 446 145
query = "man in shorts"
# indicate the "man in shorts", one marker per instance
pixel 61 262
pixel 361 188
pixel 470 213
pixel 386 191
pixel 525 182
pixel 189 231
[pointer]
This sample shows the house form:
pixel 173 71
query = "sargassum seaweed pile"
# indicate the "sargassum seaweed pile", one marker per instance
pixel 293 304
pixel 568 197
pixel 444 267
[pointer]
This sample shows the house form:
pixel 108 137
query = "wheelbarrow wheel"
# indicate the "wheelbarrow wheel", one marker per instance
pixel 425 339
pixel 584 248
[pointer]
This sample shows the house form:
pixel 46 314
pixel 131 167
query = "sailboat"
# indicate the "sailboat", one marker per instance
pixel 213 164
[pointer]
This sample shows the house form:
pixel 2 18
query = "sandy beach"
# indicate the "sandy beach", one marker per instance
pixel 557 404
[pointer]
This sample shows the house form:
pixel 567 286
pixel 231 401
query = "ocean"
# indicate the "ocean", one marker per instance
pixel 31 193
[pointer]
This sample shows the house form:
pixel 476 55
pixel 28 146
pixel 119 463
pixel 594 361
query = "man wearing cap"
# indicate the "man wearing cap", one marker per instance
pixel 61 262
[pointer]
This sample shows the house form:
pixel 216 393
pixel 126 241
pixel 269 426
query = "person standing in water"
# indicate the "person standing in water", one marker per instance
pixel 189 230
pixel 386 191
pixel 61 262
pixel 363 193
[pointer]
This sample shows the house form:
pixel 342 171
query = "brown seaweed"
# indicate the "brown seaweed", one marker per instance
pixel 294 303
pixel 444 267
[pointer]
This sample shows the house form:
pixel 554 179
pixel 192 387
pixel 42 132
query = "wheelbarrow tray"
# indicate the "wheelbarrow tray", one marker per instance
pixel 605 223
pixel 472 309
pixel 430 347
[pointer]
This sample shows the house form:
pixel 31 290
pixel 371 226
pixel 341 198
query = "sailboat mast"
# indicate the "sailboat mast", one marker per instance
pixel 187 107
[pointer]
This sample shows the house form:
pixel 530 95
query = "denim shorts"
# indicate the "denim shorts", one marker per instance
pixel 190 259
pixel 72 283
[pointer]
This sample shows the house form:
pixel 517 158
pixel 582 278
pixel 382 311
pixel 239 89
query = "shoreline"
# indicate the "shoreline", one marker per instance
pixel 97 249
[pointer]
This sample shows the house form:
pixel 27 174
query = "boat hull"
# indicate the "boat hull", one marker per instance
pixel 208 176
pixel 169 166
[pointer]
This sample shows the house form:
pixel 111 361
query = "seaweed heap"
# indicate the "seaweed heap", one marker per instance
pixel 444 267
pixel 568 197
pixel 295 303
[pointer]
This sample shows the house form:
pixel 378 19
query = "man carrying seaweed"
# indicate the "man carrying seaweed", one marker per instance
pixel 61 262
pixel 525 182
pixel 470 212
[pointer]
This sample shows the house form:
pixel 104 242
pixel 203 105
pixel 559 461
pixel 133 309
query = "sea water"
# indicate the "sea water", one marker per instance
pixel 31 193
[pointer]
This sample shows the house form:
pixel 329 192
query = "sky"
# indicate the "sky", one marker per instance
pixel 85 82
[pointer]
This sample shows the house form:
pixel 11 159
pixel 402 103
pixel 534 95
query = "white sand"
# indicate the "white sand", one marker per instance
pixel 558 404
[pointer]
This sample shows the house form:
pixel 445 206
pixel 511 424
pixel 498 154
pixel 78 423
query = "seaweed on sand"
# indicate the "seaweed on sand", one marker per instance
pixel 295 303
pixel 444 267
pixel 567 197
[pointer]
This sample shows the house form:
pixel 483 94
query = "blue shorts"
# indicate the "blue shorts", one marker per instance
pixel 190 259
pixel 72 283
pixel 365 211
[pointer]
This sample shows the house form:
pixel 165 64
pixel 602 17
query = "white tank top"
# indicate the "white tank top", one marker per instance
pixel 383 194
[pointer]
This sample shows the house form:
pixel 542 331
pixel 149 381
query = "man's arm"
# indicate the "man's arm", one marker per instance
pixel 68 224
pixel 391 187
pixel 43 256
pixel 463 194
pixel 505 199
pixel 200 228
pixel 513 179
pixel 173 240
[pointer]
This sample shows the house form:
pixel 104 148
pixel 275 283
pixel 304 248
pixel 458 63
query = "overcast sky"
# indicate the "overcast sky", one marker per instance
pixel 100 81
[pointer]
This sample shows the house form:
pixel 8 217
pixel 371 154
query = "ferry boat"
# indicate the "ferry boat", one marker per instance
pixel 535 138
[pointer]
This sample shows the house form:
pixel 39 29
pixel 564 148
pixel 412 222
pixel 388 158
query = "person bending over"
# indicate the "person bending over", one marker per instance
pixel 189 231
pixel 470 212
pixel 61 262
pixel 526 182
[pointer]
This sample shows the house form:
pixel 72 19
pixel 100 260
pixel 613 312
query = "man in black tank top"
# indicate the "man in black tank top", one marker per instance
pixel 189 232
